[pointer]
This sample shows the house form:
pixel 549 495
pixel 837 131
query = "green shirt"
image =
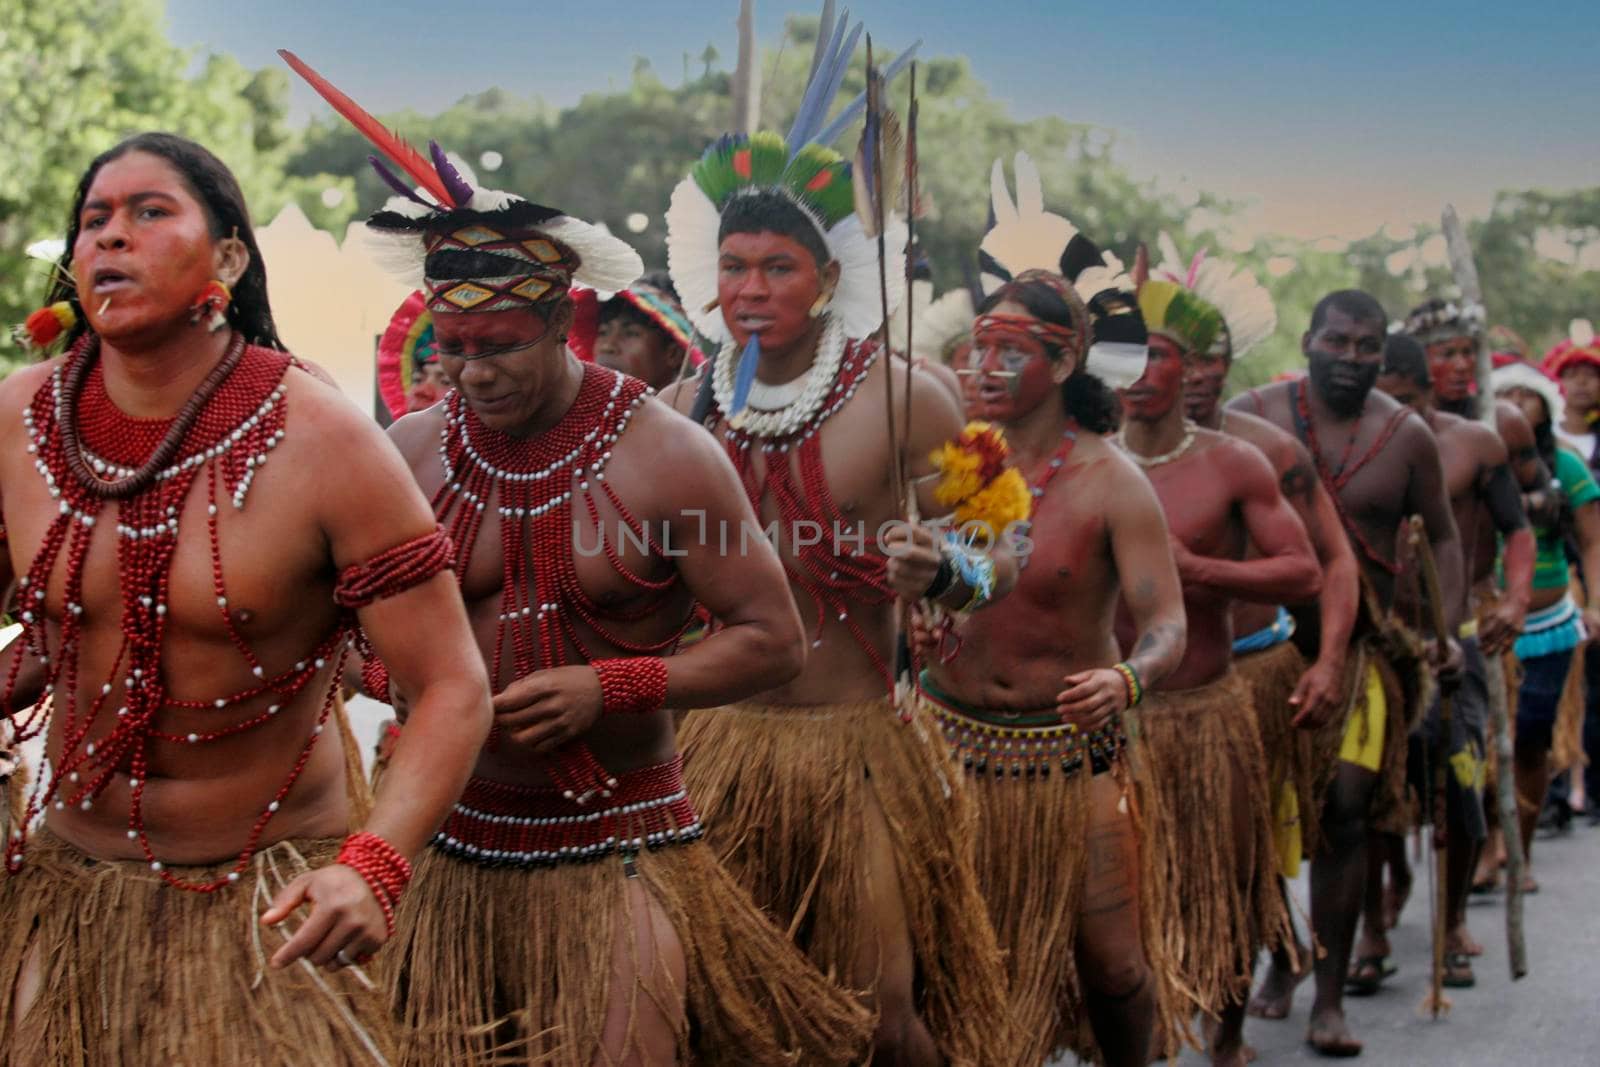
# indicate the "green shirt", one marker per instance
pixel 1550 561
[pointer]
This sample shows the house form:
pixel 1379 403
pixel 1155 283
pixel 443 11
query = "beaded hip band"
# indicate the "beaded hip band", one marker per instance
pixel 987 748
pixel 496 824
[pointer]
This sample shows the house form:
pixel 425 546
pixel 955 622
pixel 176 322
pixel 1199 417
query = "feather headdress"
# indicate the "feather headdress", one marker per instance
pixel 1519 375
pixel 1580 346
pixel 1027 237
pixel 1247 310
pixel 815 178
pixel 538 252
pixel 1440 320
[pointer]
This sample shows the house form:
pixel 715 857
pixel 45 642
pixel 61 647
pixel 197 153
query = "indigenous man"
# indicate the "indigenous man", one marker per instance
pixel 640 331
pixel 1479 479
pixel 188 577
pixel 1211 843
pixel 1335 409
pixel 831 806
pixel 606 932
pixel 1033 703
pixel 1292 698
pixel 1575 363
pixel 1550 646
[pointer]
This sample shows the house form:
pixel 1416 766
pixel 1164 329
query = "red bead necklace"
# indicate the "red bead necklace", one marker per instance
pixel 533 483
pixel 91 455
pixel 830 572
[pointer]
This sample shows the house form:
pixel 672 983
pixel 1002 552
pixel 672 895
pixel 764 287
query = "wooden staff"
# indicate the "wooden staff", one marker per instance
pixel 1436 1003
pixel 1466 275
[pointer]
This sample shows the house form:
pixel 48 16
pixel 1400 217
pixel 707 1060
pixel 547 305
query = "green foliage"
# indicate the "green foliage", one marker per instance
pixel 77 76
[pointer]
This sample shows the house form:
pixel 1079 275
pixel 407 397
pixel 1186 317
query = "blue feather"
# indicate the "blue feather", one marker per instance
pixel 851 111
pixel 814 102
pixel 746 373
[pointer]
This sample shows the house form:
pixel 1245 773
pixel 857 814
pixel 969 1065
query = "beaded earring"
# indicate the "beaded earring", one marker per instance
pixel 211 305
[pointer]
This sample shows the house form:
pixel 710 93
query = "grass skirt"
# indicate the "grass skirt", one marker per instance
pixel 783 793
pixel 1190 744
pixel 133 971
pixel 513 965
pixel 1270 676
pixel 1032 867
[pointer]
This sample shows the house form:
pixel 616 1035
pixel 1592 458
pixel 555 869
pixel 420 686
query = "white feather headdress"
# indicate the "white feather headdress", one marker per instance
pixel 1244 302
pixel 1027 237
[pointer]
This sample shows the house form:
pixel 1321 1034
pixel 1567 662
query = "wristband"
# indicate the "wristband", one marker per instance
pixel 633 685
pixel 380 865
pixel 1130 680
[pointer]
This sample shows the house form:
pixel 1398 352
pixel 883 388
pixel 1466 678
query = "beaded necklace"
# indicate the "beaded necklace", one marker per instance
pixel 89 455
pixel 1184 444
pixel 1069 441
pixel 831 573
pixel 1336 480
pixel 533 484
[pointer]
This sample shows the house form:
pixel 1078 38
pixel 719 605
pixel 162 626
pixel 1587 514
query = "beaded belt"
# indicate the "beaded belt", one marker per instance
pixel 496 824
pixel 1022 748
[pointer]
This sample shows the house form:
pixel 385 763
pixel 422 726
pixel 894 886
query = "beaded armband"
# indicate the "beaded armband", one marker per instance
pixel 634 685
pixel 375 679
pixel 1130 680
pixel 380 865
pixel 394 571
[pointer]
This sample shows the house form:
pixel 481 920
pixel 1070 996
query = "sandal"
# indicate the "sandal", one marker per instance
pixel 1458 971
pixel 1368 974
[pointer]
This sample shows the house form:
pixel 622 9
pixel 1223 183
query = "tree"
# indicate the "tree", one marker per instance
pixel 78 76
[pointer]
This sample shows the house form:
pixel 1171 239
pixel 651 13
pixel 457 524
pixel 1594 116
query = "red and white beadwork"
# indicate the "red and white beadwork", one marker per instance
pixel 496 823
pixel 91 456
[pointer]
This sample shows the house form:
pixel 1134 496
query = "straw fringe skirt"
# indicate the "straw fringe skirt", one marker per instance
pixel 1270 676
pixel 1190 745
pixel 1032 865
pixel 514 966
pixel 132 971
pixel 784 794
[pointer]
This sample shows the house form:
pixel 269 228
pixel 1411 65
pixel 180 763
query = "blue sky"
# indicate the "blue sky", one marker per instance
pixel 1330 118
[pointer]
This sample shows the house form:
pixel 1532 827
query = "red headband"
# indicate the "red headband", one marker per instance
pixel 991 329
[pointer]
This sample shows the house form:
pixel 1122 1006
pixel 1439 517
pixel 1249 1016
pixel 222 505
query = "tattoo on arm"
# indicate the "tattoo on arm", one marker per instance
pixel 1155 645
pixel 1297 483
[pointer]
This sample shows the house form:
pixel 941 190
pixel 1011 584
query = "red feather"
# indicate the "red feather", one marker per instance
pixel 405 157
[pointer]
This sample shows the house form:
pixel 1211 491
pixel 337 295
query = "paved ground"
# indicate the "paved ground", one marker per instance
pixel 1551 1017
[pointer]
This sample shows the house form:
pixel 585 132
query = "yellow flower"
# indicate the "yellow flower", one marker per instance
pixel 959 473
pixel 1003 501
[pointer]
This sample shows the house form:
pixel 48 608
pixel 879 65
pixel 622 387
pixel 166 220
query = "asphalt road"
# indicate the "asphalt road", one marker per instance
pixel 1551 1018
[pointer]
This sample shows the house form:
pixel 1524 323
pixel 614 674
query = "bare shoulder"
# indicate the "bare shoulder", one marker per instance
pixel 1105 472
pixel 944 375
pixel 1245 464
pixel 932 399
pixel 324 422
pixel 417 434
pixel 668 441
pixel 1263 400
pixel 1511 422
pixel 1260 432
pixel 19 386
pixel 1484 442
pixel 679 396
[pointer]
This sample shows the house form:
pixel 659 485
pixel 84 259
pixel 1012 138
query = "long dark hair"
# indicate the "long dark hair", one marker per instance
pixel 1088 401
pixel 211 183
